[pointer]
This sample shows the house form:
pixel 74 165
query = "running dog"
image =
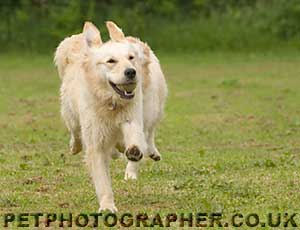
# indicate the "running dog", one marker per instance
pixel 112 96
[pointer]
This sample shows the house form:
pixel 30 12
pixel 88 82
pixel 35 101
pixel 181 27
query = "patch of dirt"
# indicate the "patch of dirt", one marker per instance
pixel 33 180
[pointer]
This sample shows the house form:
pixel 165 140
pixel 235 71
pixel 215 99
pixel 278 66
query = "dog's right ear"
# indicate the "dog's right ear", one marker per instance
pixel 115 32
pixel 91 35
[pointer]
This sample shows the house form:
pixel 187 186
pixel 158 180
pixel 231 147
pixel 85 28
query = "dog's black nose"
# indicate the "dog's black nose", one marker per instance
pixel 130 73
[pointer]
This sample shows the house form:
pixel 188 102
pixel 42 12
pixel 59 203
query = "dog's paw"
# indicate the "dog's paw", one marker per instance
pixel 130 175
pixel 132 169
pixel 133 153
pixel 108 207
pixel 155 157
pixel 75 146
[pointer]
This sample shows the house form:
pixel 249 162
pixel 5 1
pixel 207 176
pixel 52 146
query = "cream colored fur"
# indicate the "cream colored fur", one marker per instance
pixel 96 116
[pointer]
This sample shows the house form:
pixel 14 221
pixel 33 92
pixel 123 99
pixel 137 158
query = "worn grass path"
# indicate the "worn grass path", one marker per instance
pixel 229 140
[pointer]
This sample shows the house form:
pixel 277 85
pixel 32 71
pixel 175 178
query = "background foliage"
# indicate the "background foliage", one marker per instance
pixel 169 25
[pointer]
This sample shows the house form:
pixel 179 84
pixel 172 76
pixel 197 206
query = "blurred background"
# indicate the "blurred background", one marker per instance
pixel 170 25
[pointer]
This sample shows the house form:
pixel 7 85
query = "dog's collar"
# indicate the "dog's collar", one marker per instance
pixel 112 106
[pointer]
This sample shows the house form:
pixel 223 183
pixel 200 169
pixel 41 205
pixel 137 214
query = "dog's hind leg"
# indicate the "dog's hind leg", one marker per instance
pixel 75 136
pixel 75 142
pixel 73 126
pixel 152 150
pixel 132 169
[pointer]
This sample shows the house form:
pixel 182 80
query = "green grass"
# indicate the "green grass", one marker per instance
pixel 229 140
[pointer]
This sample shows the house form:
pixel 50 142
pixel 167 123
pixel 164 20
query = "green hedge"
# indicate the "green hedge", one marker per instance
pixel 170 25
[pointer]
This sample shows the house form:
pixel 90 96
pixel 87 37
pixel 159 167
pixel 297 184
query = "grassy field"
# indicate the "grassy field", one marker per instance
pixel 229 140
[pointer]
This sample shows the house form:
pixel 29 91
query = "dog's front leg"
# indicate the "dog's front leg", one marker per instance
pixel 134 140
pixel 98 162
pixel 136 146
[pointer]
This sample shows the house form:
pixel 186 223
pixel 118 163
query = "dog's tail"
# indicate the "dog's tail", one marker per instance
pixel 68 52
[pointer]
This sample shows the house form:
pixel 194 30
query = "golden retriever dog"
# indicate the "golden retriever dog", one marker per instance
pixel 112 95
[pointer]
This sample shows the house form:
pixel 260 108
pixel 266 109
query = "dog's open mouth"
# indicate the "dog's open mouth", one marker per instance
pixel 126 91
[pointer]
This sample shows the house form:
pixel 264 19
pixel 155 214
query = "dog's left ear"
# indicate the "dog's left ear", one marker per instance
pixel 91 35
pixel 115 32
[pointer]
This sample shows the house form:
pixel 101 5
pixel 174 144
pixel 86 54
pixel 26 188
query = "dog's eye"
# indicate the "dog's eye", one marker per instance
pixel 131 57
pixel 111 61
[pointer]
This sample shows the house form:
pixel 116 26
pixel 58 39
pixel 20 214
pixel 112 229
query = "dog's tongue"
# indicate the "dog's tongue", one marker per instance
pixel 127 87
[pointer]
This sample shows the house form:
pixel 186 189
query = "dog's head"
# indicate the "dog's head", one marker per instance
pixel 141 50
pixel 111 64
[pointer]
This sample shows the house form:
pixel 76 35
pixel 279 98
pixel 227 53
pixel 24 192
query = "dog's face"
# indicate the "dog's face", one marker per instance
pixel 141 50
pixel 115 63
pixel 112 64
